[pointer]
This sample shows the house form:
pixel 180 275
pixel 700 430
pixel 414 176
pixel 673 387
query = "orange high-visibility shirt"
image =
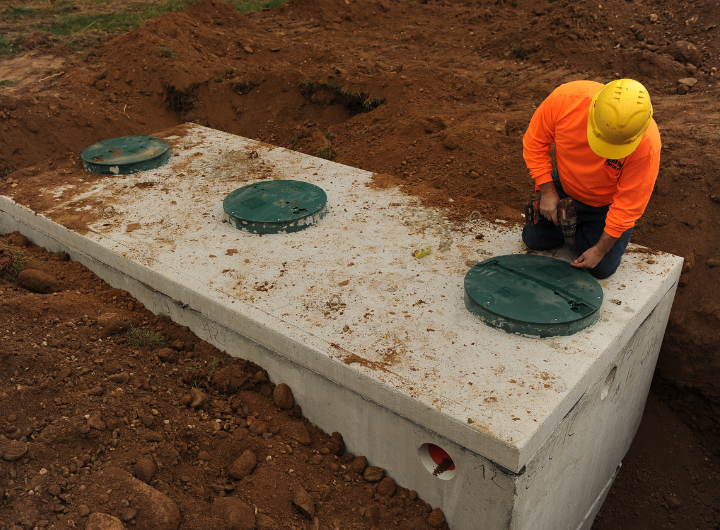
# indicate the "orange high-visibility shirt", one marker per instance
pixel 625 184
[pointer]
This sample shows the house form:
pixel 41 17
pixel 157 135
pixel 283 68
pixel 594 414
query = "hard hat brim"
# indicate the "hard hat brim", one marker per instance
pixel 612 151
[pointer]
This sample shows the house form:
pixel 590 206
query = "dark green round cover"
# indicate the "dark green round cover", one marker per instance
pixel 126 155
pixel 533 295
pixel 275 206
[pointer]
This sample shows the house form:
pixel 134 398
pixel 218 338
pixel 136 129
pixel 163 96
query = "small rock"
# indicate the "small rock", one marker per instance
pixel 689 81
pixel 38 281
pixel 436 518
pixel 103 521
pixel 204 455
pixel 283 397
pixel 97 390
pixel 248 49
pixel 304 501
pixel 386 488
pixel 315 460
pixel 451 143
pixel 684 52
pixel 152 436
pixel 682 89
pixel 156 510
pixel 112 324
pixel 359 464
pixel 120 379
pixel 713 262
pixel 337 444
pixel 275 49
pixel 234 513
pixel 94 422
pixel 177 345
pixel 166 355
pixel 258 427
pixel 128 514
pixel 54 490
pixel 12 449
pixel 145 469
pixel 412 495
pixel 83 510
pixel 195 399
pixel 297 431
pixel 474 174
pixel 18 240
pixel 673 502
pixel 373 473
pixel 243 465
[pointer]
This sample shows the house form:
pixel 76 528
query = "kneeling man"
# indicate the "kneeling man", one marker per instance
pixel 607 149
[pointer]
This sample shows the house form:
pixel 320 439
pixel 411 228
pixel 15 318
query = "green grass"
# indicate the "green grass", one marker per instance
pixel 144 338
pixel 19 260
pixel 8 82
pixel 64 18
pixel 325 152
pixel 519 51
pixel 353 100
pixel 247 6
pixel 215 364
pixel 164 51
pixel 329 135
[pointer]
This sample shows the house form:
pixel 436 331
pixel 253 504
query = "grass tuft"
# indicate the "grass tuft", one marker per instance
pixel 164 51
pixel 8 82
pixel 326 152
pixel 329 135
pixel 519 51
pixel 144 338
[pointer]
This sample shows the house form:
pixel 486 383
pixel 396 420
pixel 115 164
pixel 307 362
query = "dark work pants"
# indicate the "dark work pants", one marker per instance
pixel 591 224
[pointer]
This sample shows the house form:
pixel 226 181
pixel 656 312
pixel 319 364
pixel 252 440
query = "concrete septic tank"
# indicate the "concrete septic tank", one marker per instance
pixel 375 342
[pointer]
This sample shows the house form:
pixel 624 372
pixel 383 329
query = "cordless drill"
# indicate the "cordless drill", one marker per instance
pixel 566 215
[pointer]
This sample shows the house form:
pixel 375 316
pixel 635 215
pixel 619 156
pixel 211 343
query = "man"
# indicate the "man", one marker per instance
pixel 607 148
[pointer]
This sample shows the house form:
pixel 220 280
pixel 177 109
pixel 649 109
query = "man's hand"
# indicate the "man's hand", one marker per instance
pixel 549 199
pixel 592 256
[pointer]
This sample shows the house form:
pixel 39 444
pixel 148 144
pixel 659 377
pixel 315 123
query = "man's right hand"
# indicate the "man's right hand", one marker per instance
pixel 549 199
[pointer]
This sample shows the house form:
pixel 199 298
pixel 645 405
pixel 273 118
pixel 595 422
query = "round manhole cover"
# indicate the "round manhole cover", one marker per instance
pixel 275 206
pixel 533 295
pixel 126 155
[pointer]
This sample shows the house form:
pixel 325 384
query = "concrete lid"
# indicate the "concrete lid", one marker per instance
pixel 348 299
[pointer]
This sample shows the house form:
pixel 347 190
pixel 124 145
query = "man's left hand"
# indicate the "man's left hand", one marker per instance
pixel 589 259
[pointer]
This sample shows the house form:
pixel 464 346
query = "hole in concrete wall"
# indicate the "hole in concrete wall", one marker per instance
pixel 609 380
pixel 437 461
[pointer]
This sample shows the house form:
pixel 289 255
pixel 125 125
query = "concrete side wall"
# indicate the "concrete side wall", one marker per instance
pixel 576 465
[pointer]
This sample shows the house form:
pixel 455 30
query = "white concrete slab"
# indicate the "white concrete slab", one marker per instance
pixel 345 314
pixel 407 327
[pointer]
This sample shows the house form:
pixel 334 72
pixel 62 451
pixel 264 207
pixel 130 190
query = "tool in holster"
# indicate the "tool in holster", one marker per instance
pixel 567 216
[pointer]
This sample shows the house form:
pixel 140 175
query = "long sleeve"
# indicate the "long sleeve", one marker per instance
pixel 634 188
pixel 537 141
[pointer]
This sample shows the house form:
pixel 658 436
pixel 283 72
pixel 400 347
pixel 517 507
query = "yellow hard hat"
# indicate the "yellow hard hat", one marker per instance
pixel 619 115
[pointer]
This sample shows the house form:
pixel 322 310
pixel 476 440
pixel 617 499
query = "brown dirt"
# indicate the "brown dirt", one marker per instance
pixel 94 412
pixel 457 99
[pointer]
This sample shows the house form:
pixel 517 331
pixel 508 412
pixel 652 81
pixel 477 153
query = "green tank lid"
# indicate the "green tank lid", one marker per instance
pixel 275 206
pixel 533 295
pixel 126 155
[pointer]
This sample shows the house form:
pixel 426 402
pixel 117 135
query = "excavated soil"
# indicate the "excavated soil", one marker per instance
pixel 433 96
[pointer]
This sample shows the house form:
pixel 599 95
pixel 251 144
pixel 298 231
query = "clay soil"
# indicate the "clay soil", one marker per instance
pixel 431 96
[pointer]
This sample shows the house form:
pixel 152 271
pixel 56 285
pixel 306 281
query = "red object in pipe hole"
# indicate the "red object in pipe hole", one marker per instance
pixel 438 454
